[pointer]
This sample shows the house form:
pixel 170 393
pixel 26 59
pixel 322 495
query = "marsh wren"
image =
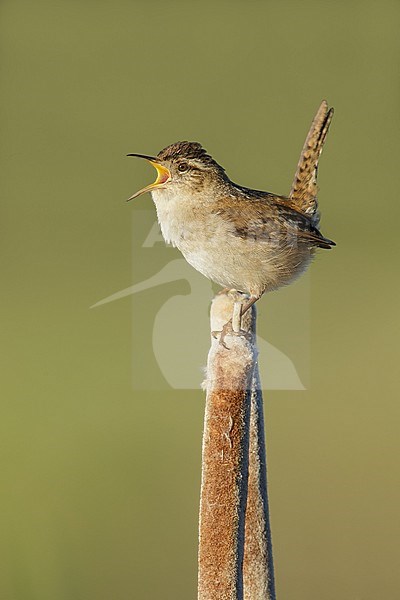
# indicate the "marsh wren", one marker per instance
pixel 240 238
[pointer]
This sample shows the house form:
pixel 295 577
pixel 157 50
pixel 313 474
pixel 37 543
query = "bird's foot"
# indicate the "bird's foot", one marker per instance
pixel 229 330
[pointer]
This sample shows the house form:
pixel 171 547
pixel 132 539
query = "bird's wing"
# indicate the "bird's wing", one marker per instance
pixel 269 219
pixel 303 225
pixel 303 195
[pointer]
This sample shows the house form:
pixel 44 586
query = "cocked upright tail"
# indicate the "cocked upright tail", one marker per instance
pixel 303 195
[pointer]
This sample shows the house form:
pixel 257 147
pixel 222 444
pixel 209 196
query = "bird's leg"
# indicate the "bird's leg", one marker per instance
pixel 233 326
pixel 237 316
pixel 246 305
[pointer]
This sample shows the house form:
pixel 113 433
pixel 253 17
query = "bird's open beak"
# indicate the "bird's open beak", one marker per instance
pixel 163 175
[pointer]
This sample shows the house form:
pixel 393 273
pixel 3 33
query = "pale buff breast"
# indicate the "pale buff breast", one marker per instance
pixel 209 244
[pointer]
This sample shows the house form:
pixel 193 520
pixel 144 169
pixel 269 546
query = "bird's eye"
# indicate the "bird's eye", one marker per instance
pixel 182 167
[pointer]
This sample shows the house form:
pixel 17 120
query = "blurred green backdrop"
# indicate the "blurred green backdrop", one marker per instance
pixel 100 481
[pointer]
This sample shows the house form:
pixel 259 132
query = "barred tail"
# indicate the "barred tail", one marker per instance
pixel 303 195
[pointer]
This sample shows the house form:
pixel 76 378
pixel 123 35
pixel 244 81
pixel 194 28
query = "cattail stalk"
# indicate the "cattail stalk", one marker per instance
pixel 258 568
pixel 235 558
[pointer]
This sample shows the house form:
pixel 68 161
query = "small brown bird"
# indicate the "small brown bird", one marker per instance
pixel 241 238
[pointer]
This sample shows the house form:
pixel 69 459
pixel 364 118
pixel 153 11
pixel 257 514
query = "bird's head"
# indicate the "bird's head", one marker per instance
pixel 183 167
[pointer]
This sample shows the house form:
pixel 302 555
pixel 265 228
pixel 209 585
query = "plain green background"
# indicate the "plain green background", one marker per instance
pixel 100 482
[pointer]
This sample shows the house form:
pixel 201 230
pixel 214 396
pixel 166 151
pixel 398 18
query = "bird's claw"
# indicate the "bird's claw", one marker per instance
pixel 228 330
